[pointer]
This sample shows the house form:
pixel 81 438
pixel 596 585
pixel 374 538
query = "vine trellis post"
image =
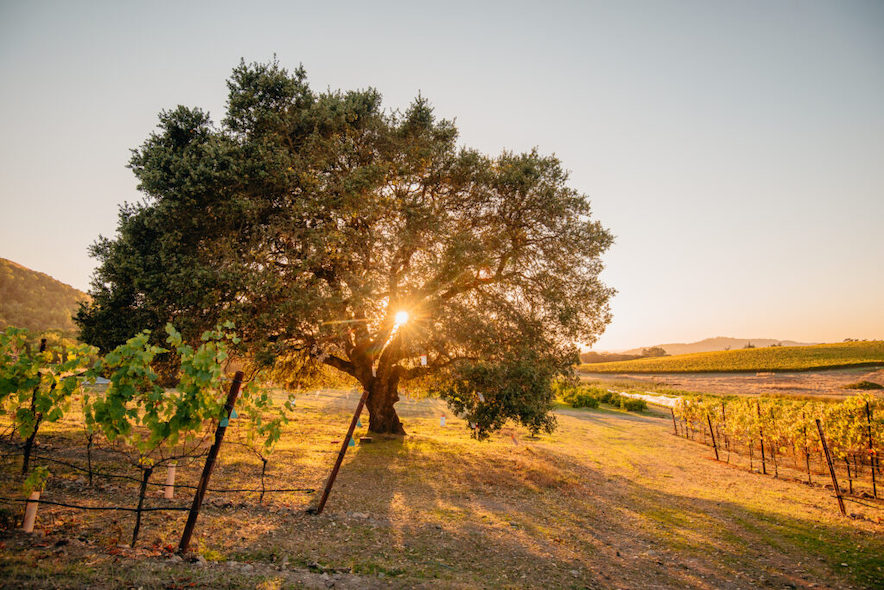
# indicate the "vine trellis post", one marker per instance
pixel 210 463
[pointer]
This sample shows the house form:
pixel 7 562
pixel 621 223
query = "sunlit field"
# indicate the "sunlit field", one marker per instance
pixel 610 499
pixel 779 358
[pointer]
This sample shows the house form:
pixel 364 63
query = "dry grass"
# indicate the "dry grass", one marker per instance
pixel 609 500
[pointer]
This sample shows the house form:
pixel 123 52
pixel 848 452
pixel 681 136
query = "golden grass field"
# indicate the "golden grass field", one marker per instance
pixel 829 384
pixel 609 500
pixel 779 358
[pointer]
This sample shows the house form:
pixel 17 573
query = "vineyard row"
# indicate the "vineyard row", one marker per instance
pixel 777 433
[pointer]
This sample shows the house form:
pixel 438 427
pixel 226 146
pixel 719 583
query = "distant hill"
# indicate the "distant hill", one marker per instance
pixel 34 300
pixel 719 343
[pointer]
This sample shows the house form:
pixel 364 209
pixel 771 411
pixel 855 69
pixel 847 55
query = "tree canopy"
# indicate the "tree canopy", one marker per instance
pixel 311 219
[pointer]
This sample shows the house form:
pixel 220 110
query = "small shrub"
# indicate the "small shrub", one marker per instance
pixel 864 385
pixel 580 399
pixel 577 395
pixel 561 388
pixel 594 391
pixel 590 396
pixel 631 404
pixel 607 397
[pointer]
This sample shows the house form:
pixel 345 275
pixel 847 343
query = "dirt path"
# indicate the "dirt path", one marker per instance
pixel 610 500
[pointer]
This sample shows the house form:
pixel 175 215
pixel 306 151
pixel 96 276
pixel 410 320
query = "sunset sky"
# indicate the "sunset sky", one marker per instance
pixel 735 149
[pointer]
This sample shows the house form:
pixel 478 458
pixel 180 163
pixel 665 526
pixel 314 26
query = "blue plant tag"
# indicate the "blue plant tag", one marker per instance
pixel 224 422
pixel 352 442
pixel 233 413
pixel 359 423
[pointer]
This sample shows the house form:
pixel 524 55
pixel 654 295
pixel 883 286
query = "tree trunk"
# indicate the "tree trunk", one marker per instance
pixel 382 417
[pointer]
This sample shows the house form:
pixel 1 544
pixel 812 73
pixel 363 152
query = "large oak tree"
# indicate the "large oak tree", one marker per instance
pixel 311 219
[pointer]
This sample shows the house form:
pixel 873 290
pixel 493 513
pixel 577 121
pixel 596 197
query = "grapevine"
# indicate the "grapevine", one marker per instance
pixel 775 429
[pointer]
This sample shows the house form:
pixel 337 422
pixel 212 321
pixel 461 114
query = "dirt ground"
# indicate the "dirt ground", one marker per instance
pixel 609 500
pixel 811 383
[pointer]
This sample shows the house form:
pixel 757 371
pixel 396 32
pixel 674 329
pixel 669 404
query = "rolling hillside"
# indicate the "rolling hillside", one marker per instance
pixel 780 358
pixel 36 301
pixel 719 343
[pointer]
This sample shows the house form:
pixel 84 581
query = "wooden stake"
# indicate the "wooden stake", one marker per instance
pixel 674 427
pixel 761 435
pixel 712 434
pixel 337 466
pixel 872 456
pixel 819 427
pixel 773 448
pixel 806 452
pixel 210 463
pixel 727 439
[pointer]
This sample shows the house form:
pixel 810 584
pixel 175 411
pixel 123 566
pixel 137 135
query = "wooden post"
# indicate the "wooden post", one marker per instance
pixel 334 472
pixel 712 434
pixel 761 435
pixel 773 448
pixel 727 438
pixel 806 452
pixel 210 464
pixel 819 427
pixel 872 455
pixel 674 427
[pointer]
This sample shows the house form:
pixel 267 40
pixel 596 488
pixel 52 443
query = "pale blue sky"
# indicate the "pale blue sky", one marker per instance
pixel 736 149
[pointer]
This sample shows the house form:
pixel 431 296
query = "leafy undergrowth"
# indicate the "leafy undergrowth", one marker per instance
pixel 777 358
pixel 610 499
